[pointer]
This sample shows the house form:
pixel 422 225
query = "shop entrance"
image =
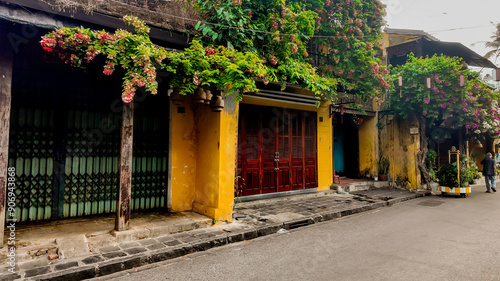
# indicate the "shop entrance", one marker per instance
pixel 277 150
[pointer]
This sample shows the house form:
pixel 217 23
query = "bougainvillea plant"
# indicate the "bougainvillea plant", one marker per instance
pixel 350 31
pixel 472 104
pixel 278 31
pixel 134 52
pixel 207 67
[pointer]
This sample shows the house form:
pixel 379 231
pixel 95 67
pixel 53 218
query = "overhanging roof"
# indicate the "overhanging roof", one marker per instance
pixel 426 47
pixel 41 14
pixel 455 49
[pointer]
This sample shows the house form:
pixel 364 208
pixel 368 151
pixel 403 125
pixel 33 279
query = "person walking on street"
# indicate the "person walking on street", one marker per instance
pixel 489 173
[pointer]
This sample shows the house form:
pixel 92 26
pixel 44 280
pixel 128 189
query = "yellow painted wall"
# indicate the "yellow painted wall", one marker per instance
pixel 324 136
pixel 183 158
pixel 216 160
pixel 325 147
pixel 389 40
pixel 204 151
pixel 207 160
pixel 368 146
pixel 203 159
pixel 401 148
pixel 228 156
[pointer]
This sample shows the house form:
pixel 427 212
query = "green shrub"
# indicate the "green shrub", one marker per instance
pixel 383 165
pixel 447 175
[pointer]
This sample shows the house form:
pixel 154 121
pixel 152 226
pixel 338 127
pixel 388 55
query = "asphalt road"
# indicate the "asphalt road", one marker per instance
pixel 430 238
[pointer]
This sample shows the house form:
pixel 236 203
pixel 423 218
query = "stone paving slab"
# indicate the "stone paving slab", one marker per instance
pixel 251 220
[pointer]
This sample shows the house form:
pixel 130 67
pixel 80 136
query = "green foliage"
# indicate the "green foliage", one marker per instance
pixel 383 165
pixel 447 175
pixel 473 105
pixel 494 44
pixel 350 30
pixel 433 175
pixel 279 32
pixel 430 163
pixel 431 159
pixel 217 68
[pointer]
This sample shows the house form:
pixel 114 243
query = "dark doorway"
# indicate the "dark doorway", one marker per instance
pixel 346 146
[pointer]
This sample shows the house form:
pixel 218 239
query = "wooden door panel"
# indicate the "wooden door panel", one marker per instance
pixel 277 149
pixel 284 180
pixel 251 182
pixel 269 181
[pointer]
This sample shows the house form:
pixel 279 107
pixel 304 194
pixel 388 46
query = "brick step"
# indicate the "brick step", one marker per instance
pixel 362 185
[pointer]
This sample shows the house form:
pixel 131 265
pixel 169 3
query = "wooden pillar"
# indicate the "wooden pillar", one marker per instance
pixel 122 221
pixel 5 103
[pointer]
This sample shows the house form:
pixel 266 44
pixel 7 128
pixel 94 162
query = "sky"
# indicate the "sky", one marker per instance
pixel 464 21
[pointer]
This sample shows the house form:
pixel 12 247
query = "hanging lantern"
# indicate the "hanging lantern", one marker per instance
pixel 208 97
pixel 199 96
pixel 400 81
pixel 462 80
pixel 428 82
pixel 176 97
pixel 217 103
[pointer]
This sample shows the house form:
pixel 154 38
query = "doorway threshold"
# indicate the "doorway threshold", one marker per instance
pixel 273 195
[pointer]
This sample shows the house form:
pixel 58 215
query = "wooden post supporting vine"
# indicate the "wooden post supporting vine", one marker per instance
pixel 5 104
pixel 123 208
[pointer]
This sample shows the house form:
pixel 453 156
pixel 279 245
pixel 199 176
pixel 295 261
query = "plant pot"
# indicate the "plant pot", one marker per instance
pixel 208 97
pixel 199 96
pixel 217 103
pixel 382 177
pixel 176 97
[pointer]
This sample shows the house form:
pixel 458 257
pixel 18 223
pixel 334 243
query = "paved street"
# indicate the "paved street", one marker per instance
pixel 429 238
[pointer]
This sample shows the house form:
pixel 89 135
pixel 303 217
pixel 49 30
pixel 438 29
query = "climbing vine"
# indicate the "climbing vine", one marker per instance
pixel 207 67
pixel 281 31
pixel 438 90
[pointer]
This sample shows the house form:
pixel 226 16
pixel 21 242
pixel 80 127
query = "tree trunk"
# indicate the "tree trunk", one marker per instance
pixel 422 154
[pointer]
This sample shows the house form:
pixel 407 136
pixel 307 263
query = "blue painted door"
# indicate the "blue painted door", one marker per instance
pixel 338 149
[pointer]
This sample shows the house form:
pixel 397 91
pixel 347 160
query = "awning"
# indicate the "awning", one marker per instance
pixel 455 49
pixel 425 47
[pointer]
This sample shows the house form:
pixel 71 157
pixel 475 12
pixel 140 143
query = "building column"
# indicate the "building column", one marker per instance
pixel 5 104
pixel 122 221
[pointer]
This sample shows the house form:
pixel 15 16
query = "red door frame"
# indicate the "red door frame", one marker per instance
pixel 277 150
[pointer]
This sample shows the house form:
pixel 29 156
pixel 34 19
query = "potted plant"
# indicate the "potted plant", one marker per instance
pixel 447 175
pixel 475 174
pixel 448 179
pixel 383 168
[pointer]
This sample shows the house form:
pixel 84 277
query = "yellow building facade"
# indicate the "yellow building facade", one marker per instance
pixel 203 147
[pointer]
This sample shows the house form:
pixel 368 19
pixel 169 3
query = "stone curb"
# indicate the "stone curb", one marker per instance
pixel 114 265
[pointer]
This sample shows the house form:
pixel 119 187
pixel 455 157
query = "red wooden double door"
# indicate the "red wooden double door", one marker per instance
pixel 276 150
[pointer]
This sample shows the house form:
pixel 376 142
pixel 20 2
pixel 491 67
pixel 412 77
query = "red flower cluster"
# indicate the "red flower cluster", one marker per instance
pixel 210 51
pixel 109 68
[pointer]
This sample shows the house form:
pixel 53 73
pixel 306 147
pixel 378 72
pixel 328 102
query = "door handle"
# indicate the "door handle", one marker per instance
pixel 276 169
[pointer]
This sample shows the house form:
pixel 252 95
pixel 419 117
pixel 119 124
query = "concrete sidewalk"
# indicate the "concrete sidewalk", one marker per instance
pixel 94 251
